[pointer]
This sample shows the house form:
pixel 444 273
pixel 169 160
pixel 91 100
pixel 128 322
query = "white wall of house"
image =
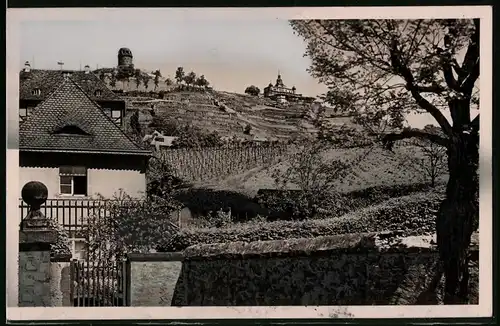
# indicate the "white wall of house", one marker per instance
pixel 109 182
pixel 99 181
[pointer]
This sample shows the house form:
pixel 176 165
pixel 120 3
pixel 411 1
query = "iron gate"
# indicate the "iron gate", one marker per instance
pixel 99 283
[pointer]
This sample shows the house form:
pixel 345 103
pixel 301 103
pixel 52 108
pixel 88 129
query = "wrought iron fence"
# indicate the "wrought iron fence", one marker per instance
pixel 99 283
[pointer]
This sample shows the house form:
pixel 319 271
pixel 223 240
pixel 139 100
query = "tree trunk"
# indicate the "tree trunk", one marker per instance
pixel 458 215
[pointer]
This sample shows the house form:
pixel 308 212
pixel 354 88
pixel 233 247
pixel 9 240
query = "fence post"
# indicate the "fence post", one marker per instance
pixel 36 236
pixel 128 280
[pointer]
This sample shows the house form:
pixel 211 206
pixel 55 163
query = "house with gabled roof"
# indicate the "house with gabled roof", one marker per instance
pixel 37 84
pixel 71 145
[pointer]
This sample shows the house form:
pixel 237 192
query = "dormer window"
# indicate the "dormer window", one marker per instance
pixel 36 92
pixel 114 114
pixel 25 112
pixel 98 93
pixel 71 130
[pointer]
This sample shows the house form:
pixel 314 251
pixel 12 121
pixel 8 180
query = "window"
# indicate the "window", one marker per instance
pixel 36 91
pixel 98 93
pixel 78 244
pixel 114 114
pixel 79 248
pixel 73 181
pixel 25 112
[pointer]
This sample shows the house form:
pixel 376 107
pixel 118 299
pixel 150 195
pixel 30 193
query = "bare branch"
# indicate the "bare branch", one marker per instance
pixel 472 53
pixel 437 89
pixel 456 66
pixel 389 139
pixel 475 123
pixel 405 72
pixel 448 75
pixel 471 78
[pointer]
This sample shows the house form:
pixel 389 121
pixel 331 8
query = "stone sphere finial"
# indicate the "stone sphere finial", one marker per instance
pixel 34 193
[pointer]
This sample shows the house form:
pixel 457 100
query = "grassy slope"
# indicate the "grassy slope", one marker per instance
pixel 379 167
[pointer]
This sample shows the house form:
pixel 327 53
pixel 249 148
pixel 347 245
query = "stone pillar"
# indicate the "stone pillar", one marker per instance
pixel 35 239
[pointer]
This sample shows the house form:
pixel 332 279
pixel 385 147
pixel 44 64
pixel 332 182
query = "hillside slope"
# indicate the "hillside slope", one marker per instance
pixel 379 167
pixel 229 114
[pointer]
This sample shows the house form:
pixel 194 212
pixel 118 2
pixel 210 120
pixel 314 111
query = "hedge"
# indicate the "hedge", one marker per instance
pixel 280 203
pixel 413 215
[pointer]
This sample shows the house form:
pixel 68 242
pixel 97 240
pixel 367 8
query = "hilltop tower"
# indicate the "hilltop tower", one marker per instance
pixel 125 63
pixel 125 57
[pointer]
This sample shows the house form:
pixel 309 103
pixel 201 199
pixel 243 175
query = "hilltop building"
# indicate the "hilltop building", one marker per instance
pixel 125 65
pixel 37 84
pixel 282 94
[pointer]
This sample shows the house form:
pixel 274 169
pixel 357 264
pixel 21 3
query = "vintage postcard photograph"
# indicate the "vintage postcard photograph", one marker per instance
pixel 249 163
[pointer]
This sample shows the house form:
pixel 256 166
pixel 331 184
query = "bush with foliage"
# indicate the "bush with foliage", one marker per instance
pixel 126 225
pixel 283 203
pixel 413 215
pixel 62 245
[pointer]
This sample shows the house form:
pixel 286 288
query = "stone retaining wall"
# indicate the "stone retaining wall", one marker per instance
pixel 352 269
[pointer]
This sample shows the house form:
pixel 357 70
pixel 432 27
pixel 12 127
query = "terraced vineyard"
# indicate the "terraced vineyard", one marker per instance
pixel 228 114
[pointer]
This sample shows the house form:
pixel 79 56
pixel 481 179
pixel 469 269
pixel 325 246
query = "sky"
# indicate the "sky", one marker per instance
pixel 231 53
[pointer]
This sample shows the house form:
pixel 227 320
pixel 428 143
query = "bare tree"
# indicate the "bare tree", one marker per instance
pixel 427 158
pixel 314 176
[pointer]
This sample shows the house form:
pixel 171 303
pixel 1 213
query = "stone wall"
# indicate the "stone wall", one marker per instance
pixel 34 279
pixel 60 281
pixel 43 274
pixel 44 281
pixel 352 269
pixel 155 279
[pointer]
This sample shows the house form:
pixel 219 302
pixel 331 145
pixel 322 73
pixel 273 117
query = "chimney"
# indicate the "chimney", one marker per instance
pixel 27 66
pixel 87 69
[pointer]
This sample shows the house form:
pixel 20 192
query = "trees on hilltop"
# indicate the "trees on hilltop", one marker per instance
pixel 252 90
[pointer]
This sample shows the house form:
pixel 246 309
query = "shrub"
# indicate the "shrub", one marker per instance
pixel 62 245
pixel 413 215
pixel 283 203
pixel 126 225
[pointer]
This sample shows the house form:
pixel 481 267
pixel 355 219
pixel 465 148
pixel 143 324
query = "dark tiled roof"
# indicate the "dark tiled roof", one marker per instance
pixel 48 80
pixel 69 107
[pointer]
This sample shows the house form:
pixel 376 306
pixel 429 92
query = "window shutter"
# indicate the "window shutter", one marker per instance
pixel 72 171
